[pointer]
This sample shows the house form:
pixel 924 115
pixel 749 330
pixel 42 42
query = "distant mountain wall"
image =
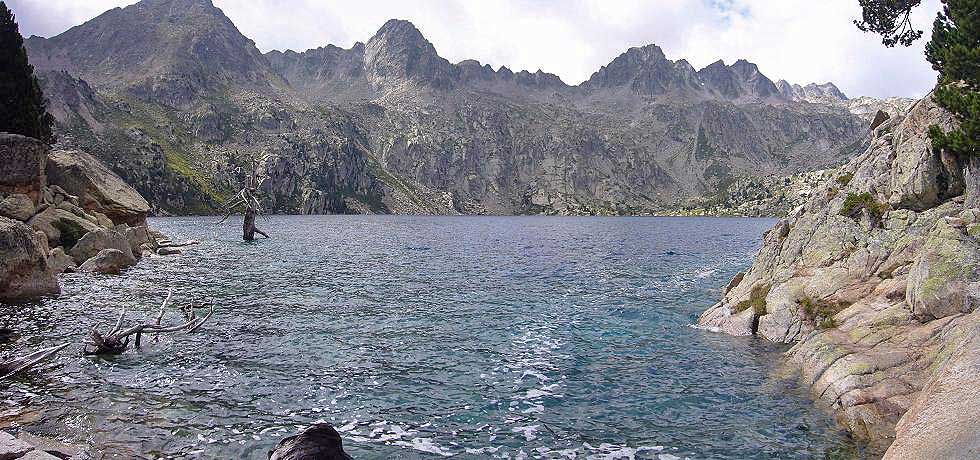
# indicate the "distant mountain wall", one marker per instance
pixel 177 101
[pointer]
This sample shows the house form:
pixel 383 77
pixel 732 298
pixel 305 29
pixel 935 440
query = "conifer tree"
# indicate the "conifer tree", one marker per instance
pixel 954 52
pixel 22 105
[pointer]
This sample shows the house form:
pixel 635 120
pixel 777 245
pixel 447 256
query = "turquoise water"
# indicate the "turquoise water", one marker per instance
pixel 421 337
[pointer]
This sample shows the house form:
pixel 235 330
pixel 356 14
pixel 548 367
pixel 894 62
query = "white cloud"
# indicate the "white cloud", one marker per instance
pixel 799 40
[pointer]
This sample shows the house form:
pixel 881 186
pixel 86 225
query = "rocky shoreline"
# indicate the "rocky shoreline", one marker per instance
pixel 64 211
pixel 876 279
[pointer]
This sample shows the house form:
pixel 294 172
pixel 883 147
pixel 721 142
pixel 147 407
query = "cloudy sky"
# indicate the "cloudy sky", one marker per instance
pixel 799 40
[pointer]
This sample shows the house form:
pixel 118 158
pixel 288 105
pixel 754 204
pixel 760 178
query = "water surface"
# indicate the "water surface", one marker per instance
pixel 421 337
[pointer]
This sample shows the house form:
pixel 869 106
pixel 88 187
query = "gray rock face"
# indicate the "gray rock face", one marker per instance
pixel 876 300
pixel 108 261
pixel 920 179
pixel 944 278
pixel 12 448
pixel 22 161
pixel 97 188
pixel 942 423
pixel 24 270
pixel 389 126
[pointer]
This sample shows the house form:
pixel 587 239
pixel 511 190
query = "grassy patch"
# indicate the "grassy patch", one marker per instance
pixel 756 300
pixel 821 312
pixel 855 202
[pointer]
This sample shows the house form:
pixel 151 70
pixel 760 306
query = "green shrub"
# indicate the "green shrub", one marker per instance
pixel 855 202
pixel 845 179
pixel 70 231
pixel 756 300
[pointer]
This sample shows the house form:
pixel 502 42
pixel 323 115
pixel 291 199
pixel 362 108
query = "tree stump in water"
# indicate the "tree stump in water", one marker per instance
pixel 248 226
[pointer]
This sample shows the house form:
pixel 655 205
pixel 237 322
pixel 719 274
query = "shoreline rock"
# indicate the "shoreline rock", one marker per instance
pixel 876 279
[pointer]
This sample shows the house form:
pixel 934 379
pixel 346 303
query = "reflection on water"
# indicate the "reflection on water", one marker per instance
pixel 417 337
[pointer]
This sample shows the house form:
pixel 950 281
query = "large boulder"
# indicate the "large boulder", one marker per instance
pixel 63 228
pixel 24 270
pixel 17 206
pixel 97 187
pixel 318 442
pixel 22 164
pixel 108 261
pixel 920 176
pixel 97 240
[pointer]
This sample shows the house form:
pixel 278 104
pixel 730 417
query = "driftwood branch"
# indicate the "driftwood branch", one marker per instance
pixel 23 363
pixel 117 339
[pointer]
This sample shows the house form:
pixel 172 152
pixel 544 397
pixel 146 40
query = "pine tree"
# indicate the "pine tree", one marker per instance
pixel 22 105
pixel 955 53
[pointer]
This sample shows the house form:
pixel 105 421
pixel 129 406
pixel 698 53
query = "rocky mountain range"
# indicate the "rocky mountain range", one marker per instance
pixel 179 103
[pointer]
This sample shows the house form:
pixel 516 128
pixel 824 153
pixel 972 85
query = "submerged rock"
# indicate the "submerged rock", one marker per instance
pixel 318 442
pixel 24 270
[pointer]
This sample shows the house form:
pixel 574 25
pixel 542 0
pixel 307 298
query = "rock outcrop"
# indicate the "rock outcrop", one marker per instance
pixel 22 162
pixel 876 279
pixel 44 230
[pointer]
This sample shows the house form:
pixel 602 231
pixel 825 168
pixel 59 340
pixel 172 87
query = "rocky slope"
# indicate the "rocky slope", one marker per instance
pixel 876 279
pixel 171 96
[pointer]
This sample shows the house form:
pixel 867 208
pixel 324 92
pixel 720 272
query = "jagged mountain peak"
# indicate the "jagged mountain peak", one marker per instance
pixel 399 53
pixel 165 50
pixel 826 93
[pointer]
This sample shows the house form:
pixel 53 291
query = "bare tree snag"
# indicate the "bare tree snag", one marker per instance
pixel 117 339
pixel 17 365
pixel 249 204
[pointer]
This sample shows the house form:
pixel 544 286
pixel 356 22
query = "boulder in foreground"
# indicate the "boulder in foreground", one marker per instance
pixel 24 270
pixel 318 442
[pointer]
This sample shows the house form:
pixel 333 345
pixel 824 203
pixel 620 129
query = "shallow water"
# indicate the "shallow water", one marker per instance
pixel 419 337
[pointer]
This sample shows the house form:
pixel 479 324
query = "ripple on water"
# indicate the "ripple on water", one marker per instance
pixel 429 337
